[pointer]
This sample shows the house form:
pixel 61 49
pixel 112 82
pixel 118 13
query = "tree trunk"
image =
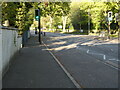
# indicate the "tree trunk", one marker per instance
pixel 64 22
pixel 51 20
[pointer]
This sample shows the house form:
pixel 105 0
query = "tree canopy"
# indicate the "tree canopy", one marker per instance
pixel 78 14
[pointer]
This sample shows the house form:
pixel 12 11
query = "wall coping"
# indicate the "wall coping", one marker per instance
pixel 8 28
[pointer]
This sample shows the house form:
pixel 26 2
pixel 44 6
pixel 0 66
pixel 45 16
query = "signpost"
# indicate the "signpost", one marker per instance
pixel 109 21
pixel 110 16
pixel 37 18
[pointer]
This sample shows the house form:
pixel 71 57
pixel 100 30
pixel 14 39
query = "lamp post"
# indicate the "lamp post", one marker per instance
pixel 37 18
pixel 88 21
pixel 109 22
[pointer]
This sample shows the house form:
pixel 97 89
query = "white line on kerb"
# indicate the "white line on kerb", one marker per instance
pixel 111 49
pixel 67 73
pixel 88 51
pixel 104 56
pixel 114 59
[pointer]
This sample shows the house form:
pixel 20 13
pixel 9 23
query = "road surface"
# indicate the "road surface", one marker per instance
pixel 93 63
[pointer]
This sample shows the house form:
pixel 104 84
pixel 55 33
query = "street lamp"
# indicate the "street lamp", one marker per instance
pixel 88 21
pixel 37 18
pixel 109 22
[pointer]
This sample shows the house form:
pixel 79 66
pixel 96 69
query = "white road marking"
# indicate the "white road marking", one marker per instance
pixel 88 51
pixel 67 73
pixel 111 65
pixel 114 59
pixel 104 57
pixel 111 49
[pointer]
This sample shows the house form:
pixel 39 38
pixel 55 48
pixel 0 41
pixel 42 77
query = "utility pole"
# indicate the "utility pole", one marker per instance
pixel 88 21
pixel 109 21
pixel 39 28
pixel 37 18
pixel 108 29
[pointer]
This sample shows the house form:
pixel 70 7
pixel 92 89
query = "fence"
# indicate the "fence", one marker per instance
pixel 10 43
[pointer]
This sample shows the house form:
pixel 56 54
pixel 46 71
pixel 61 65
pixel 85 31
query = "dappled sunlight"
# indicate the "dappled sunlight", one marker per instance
pixel 115 41
pixel 74 45
pixel 32 46
pixel 96 42
pixel 90 42
pixel 70 36
pixel 46 49
pixel 58 43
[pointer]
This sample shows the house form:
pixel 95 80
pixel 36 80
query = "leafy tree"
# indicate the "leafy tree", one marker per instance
pixel 55 9
pixel 65 11
pixel 18 14
pixel 9 12
pixel 93 12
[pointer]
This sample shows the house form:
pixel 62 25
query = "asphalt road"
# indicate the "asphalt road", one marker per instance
pixel 93 63
pixel 106 51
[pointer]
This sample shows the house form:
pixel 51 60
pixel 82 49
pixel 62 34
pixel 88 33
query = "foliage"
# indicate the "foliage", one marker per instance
pixel 8 12
pixel 53 10
pixel 18 14
pixel 78 14
pixel 93 12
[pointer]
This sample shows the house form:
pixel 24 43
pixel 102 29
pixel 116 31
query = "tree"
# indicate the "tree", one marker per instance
pixel 17 13
pixel 51 10
pixel 95 12
pixel 24 17
pixel 9 12
pixel 65 11
pixel 55 9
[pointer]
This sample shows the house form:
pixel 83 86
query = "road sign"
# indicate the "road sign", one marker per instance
pixel 110 16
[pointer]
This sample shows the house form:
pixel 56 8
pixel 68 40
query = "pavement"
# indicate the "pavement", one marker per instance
pixel 34 67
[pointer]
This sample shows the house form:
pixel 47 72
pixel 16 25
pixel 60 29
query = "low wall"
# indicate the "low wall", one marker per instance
pixel 10 43
pixel 0 59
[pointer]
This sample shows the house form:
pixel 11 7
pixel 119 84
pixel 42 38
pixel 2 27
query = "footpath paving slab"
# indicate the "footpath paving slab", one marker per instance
pixel 34 67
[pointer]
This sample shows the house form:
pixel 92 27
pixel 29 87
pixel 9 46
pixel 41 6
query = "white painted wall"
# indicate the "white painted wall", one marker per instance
pixel 0 59
pixel 10 44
